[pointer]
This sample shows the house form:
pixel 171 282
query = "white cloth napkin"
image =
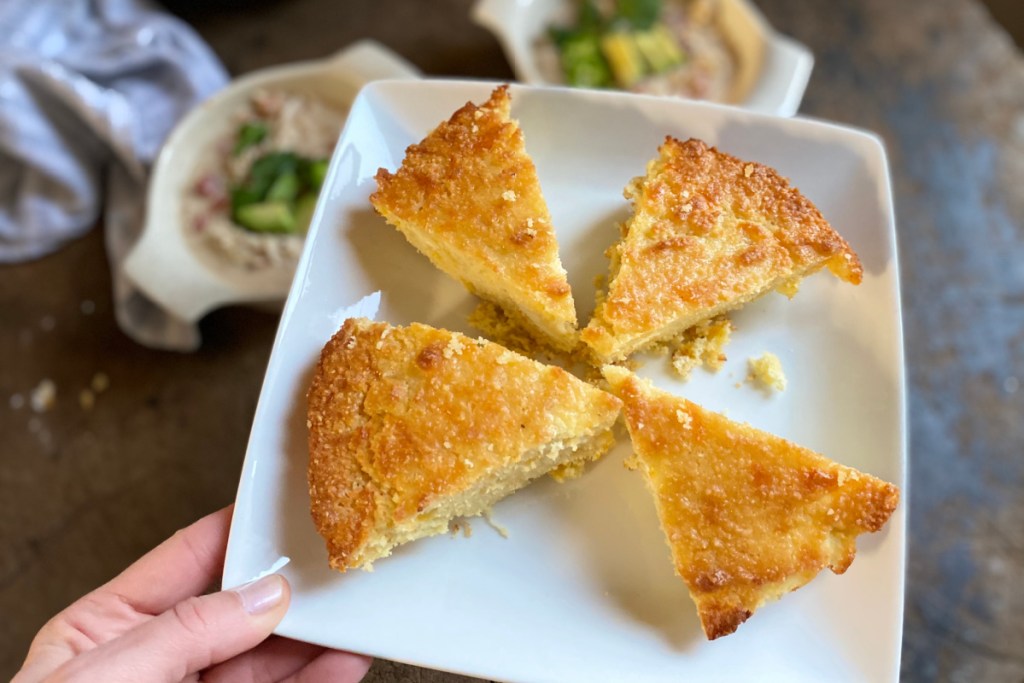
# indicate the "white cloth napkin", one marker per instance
pixel 89 89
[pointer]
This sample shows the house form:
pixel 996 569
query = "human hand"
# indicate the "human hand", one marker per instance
pixel 148 625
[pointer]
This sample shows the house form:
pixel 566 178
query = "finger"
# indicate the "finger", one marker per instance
pixel 182 566
pixel 194 635
pixel 274 660
pixel 334 666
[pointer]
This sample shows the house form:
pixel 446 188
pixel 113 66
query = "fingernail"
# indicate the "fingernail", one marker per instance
pixel 262 595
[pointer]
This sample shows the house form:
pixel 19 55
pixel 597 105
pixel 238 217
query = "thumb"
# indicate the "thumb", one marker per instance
pixel 193 635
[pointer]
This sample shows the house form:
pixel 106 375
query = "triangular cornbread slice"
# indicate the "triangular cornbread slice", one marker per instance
pixel 709 233
pixel 468 197
pixel 410 427
pixel 748 516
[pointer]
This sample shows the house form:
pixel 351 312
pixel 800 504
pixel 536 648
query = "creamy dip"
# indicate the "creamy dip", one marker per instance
pixel 292 123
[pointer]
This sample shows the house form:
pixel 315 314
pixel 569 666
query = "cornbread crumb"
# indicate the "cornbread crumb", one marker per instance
pixel 684 419
pixel 748 170
pixel 767 371
pixel 568 471
pixel 701 344
pixel 506 357
pixel 457 525
pixel 509 195
pixel 600 289
pixel 502 531
pixel 489 318
pixel 492 320
pixel 453 348
pixel 789 288
pixel 631 365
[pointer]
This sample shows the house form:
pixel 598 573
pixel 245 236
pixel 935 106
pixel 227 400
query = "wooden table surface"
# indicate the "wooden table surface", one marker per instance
pixel 84 493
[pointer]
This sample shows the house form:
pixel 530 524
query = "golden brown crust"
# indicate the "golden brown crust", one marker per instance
pixel 402 417
pixel 709 232
pixel 468 197
pixel 748 516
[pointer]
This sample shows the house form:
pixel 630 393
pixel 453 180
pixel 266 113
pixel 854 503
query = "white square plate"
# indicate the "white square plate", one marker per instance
pixel 583 588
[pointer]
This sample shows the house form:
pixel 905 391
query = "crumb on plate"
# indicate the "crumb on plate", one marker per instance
pixel 702 344
pixel 767 371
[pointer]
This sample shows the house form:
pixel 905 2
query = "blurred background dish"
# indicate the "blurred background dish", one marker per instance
pixel 718 50
pixel 236 183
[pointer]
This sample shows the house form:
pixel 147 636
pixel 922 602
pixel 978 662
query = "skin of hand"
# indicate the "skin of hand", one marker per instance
pixel 152 623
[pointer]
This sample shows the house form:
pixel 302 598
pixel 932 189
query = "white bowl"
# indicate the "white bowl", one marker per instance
pixel 776 88
pixel 162 263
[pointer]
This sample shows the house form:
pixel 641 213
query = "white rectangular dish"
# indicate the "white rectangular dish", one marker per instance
pixel 583 588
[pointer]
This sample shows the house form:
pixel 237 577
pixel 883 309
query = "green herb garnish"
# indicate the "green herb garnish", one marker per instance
pixel 278 194
pixel 249 135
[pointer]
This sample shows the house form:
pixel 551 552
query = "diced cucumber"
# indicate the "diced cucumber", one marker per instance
pixel 266 217
pixel 304 208
pixel 317 173
pixel 582 61
pixel 624 57
pixel 284 189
